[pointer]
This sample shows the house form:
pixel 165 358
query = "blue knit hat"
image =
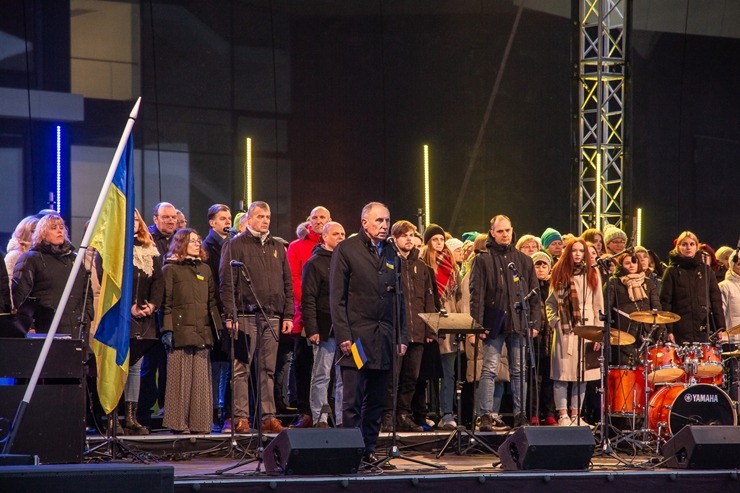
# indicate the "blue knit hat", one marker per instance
pixel 549 236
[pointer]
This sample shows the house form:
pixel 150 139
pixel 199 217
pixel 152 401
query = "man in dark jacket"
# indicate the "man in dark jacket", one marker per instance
pixel 317 322
pixel 362 292
pixel 263 280
pixel 418 293
pixel 499 279
pixel 219 219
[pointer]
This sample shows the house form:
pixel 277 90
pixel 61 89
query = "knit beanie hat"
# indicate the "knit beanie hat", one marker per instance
pixel 541 257
pixel 612 233
pixel 469 236
pixel 432 230
pixel 549 236
pixel 453 244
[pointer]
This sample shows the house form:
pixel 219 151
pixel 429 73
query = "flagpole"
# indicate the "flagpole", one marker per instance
pixel 71 280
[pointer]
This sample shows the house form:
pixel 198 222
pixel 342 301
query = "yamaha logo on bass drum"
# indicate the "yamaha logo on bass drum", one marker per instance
pixel 711 398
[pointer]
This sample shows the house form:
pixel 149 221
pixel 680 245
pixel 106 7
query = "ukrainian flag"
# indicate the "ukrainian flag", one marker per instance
pixel 113 238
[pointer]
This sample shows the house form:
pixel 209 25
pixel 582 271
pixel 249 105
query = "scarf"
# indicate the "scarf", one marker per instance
pixel 569 308
pixel 446 281
pixel 144 258
pixel 634 284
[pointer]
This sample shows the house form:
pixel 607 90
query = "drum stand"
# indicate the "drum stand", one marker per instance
pixel 640 439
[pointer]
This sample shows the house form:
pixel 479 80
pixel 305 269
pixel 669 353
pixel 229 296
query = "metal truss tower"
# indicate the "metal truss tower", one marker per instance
pixel 601 80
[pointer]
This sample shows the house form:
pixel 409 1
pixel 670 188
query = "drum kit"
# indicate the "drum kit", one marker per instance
pixel 682 385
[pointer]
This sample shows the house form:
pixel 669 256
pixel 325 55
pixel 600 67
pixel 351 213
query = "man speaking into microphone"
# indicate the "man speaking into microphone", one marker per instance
pixel 495 303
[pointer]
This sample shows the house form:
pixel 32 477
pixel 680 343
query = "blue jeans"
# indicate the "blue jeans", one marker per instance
pixel 323 361
pixel 447 388
pixel 491 357
pixel 133 382
pixel 220 373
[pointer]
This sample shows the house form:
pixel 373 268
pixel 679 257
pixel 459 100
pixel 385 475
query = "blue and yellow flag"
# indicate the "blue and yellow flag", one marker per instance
pixel 358 354
pixel 113 238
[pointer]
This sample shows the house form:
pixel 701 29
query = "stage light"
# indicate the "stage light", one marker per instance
pixel 248 173
pixel 638 227
pixel 426 185
pixel 58 171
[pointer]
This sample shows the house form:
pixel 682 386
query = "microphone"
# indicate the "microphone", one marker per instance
pixel 236 263
pixel 515 272
pixel 392 242
pixel 531 294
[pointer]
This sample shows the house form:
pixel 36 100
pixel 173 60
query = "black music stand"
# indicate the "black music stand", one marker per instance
pixel 458 325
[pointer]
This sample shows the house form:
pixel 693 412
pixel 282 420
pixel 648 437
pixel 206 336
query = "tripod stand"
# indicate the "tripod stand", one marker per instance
pixel 262 325
pixel 459 325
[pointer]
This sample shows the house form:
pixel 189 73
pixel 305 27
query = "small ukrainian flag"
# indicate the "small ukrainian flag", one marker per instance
pixel 358 354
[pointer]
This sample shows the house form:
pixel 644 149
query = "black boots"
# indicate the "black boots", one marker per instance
pixel 133 427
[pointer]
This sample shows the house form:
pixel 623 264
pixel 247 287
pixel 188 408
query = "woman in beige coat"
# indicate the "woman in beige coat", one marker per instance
pixel 575 299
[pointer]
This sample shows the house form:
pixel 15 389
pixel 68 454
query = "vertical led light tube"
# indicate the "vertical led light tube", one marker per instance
pixel 59 169
pixel 248 174
pixel 598 190
pixel 638 227
pixel 426 186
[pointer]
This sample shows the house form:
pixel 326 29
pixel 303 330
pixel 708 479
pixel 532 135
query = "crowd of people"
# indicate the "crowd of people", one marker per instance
pixel 246 325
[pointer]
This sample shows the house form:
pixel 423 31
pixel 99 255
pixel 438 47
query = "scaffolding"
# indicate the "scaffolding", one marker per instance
pixel 601 79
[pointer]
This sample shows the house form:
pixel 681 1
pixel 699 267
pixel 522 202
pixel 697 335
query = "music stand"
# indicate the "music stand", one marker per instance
pixel 458 325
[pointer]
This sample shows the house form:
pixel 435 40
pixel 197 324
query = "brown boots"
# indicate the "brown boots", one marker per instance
pixel 132 426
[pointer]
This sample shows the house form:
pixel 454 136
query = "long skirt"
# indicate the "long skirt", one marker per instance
pixel 189 393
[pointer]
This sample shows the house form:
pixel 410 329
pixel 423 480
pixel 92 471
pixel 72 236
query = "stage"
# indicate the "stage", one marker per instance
pixel 200 462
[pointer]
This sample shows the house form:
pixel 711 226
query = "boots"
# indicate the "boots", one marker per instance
pixel 133 427
pixel 113 419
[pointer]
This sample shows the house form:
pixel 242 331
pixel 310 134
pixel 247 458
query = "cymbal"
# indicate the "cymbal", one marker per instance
pixel 596 334
pixel 658 317
pixel 734 331
pixel 731 354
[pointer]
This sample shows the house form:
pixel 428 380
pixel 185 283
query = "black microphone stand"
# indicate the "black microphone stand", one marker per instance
pixel 522 308
pixel 259 329
pixel 398 305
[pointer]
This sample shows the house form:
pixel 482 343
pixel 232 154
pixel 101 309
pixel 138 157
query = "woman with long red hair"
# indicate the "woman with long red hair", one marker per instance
pixel 575 299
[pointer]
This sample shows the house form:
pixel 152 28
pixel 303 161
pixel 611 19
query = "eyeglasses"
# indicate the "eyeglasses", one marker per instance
pixel 194 241
pixel 168 218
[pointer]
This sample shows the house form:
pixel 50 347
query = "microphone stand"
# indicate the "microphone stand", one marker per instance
pixel 398 305
pixel 522 307
pixel 244 272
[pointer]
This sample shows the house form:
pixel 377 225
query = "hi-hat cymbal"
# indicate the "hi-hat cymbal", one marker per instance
pixel 734 331
pixel 596 334
pixel 654 316
pixel 731 354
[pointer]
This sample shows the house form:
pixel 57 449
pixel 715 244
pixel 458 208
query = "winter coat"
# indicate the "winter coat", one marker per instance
pixel 564 355
pixel 730 290
pixel 189 308
pixel 212 245
pixel 147 287
pixel 15 250
pixel 267 266
pixel 418 293
pixel 315 296
pixel 493 292
pixel 161 241
pixel 39 279
pixel 362 296
pixel 684 293
pixel 299 251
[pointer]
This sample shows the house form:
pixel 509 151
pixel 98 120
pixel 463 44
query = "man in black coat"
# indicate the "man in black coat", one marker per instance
pixel 362 295
pixel 499 278
pixel 317 323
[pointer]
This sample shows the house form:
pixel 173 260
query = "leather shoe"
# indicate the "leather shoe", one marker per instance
pixel 242 426
pixel 405 423
pixel 272 425
pixel 305 421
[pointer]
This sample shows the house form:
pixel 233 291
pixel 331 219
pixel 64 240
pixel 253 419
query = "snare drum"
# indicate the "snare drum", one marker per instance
pixel 664 364
pixel 626 386
pixel 675 406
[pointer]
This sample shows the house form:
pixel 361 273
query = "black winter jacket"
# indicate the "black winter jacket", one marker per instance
pixel 419 286
pixel 189 309
pixel 39 278
pixel 268 270
pixel 315 296
pixel 493 292
pixel 362 296
pixel 683 292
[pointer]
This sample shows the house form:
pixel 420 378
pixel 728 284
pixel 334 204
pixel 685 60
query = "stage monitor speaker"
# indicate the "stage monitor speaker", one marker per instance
pixel 18 460
pixel 315 451
pixel 547 448
pixel 704 447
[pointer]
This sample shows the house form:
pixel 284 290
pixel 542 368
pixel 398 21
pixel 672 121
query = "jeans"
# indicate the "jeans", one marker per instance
pixel 220 381
pixel 323 362
pixel 560 389
pixel 491 357
pixel 447 388
pixel 133 382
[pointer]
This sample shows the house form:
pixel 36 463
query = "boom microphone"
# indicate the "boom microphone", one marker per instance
pixel 236 263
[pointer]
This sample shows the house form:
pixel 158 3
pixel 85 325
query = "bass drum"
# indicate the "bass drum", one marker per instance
pixel 675 406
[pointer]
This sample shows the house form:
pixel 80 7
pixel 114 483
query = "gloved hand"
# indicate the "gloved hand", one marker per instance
pixel 167 341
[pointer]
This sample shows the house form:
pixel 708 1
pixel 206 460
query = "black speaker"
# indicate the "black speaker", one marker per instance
pixel 315 451
pixel 704 447
pixel 547 448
